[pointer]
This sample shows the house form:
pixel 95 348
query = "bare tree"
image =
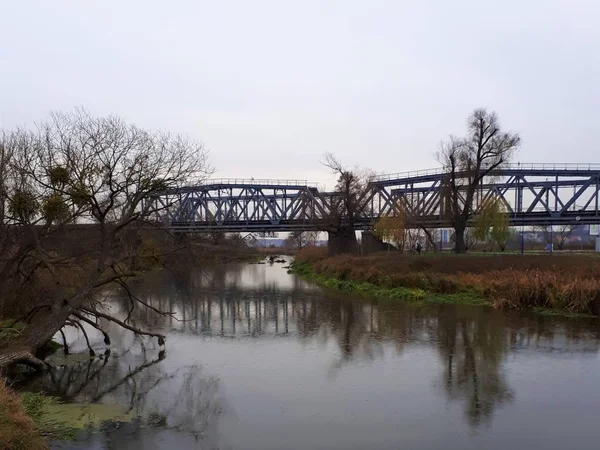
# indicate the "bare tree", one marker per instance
pixel 469 237
pixel 301 239
pixel 556 234
pixel 93 172
pixel 345 203
pixel 468 160
pixel 431 243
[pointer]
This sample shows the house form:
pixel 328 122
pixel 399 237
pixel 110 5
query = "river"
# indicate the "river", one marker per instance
pixel 261 359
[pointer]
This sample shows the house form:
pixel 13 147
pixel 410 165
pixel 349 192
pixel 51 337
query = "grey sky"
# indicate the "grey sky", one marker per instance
pixel 269 86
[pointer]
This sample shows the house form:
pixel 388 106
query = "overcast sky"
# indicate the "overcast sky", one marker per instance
pixel 270 86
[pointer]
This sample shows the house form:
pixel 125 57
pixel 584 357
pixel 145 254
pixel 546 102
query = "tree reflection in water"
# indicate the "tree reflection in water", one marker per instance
pixel 184 399
pixel 473 352
pixel 472 342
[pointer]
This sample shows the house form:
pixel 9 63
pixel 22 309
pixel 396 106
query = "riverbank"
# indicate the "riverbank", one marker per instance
pixel 28 420
pixel 565 284
pixel 17 429
pixel 157 252
pixel 412 294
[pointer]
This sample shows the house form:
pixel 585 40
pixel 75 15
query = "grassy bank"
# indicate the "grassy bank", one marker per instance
pixel 17 429
pixel 566 284
pixel 412 294
pixel 28 420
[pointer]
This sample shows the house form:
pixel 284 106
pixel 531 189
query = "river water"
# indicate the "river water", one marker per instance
pixel 261 359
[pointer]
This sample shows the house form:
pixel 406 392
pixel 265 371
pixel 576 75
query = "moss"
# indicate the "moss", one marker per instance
pixel 9 329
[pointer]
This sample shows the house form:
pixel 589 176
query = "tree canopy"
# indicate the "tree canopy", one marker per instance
pixel 468 160
pixel 85 174
pixel 492 224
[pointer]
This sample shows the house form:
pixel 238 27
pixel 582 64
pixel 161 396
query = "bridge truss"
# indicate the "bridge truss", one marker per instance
pixel 532 195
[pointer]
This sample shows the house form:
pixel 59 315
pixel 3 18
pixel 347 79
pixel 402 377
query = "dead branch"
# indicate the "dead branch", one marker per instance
pixel 133 297
pixel 137 331
pixel 95 325
pixel 65 345
pixel 87 340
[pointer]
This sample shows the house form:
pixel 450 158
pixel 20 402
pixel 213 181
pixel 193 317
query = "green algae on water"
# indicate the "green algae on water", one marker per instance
pixel 58 420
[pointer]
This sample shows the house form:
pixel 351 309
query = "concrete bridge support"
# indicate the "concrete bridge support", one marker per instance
pixel 341 241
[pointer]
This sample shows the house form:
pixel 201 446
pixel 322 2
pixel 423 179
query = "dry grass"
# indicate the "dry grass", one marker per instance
pixel 17 430
pixel 567 283
pixel 311 254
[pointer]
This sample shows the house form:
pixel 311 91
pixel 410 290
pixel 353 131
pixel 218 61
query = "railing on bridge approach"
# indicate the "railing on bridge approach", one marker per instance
pixel 516 166
pixel 250 182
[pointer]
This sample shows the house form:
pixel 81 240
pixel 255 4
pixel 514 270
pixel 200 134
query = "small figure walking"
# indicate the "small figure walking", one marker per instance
pixel 419 248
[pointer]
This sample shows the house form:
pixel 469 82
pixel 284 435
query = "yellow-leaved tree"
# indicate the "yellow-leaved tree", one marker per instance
pixel 492 224
pixel 393 228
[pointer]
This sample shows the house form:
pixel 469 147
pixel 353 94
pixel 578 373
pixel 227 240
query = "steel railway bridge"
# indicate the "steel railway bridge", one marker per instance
pixel 533 194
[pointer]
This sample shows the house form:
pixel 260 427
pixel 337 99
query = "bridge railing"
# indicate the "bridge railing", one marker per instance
pixel 410 174
pixel 554 166
pixel 515 166
pixel 250 181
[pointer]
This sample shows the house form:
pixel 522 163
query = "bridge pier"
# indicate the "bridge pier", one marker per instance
pixel 343 240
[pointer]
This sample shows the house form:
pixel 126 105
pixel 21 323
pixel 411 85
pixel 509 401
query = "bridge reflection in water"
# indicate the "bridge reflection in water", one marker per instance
pixel 248 318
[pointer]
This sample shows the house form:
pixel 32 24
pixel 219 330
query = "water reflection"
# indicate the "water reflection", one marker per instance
pixel 183 399
pixel 232 310
pixel 473 354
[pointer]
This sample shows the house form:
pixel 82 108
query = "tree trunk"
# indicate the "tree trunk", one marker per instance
pixel 341 241
pixel 430 238
pixel 43 326
pixel 460 246
pixel 9 357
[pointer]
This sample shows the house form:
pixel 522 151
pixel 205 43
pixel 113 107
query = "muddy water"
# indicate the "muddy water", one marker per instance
pixel 260 359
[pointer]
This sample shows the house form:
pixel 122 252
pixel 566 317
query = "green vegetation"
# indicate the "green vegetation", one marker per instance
pixel 57 420
pixel 492 225
pixel 567 285
pixel 8 328
pixel 17 429
pixel 411 294
pixel 28 419
pixel 36 407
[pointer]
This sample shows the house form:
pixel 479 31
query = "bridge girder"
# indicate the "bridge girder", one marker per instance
pixel 532 196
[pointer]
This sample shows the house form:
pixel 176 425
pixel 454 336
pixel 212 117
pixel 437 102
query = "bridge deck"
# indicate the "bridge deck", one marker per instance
pixel 533 194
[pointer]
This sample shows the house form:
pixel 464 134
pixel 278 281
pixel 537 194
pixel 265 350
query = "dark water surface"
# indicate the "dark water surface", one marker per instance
pixel 264 360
